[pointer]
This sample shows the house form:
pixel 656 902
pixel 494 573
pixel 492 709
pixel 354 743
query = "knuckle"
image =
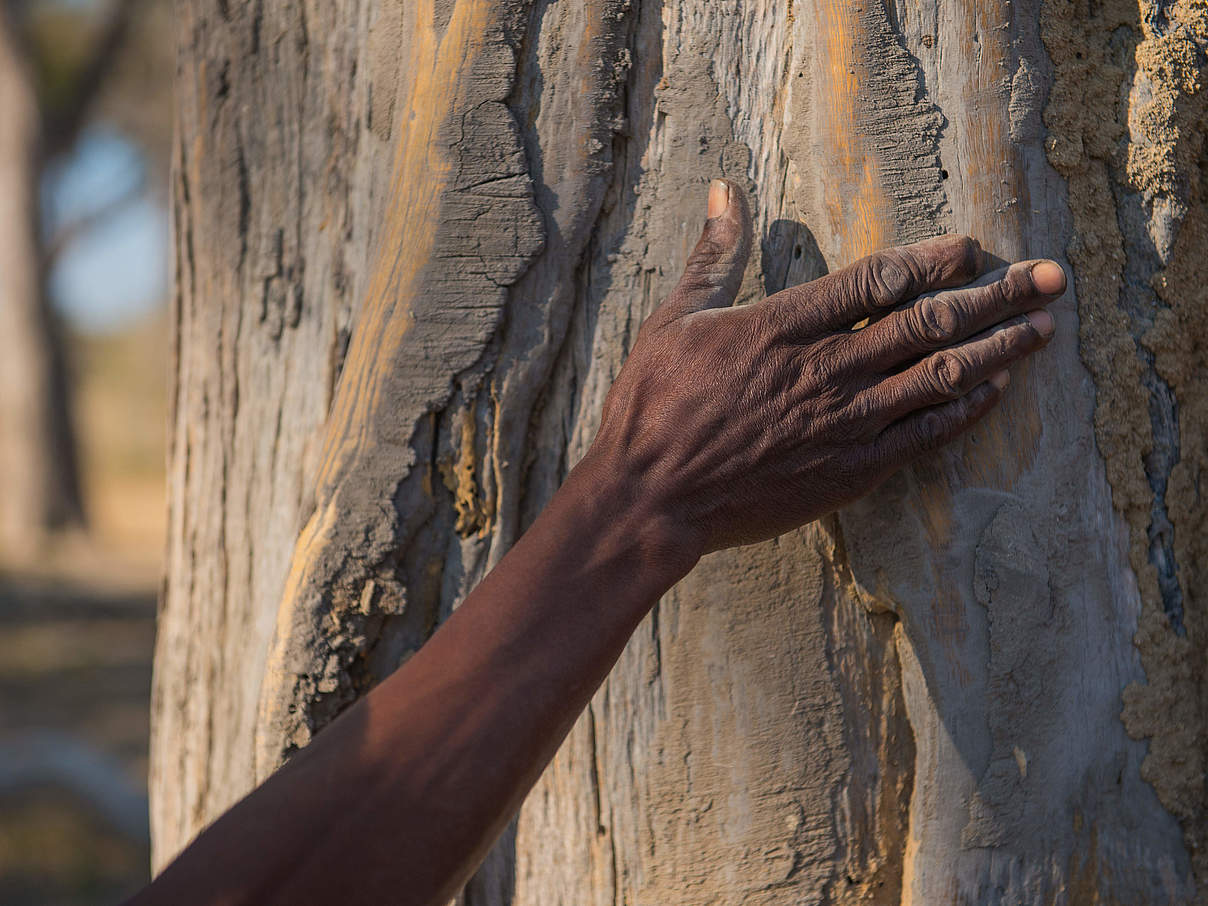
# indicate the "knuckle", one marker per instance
pixel 947 259
pixel 934 320
pixel 948 373
pixel 996 296
pixel 782 316
pixel 866 413
pixel 852 469
pixel 705 265
pixel 1013 339
pixel 861 408
pixel 766 346
pixel 815 368
pixel 1015 287
pixel 835 357
pixel 885 278
pixel 934 429
pixel 1005 342
pixel 1018 337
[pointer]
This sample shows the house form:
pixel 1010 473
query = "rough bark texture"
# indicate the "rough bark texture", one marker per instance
pixel 1138 183
pixel 39 483
pixel 916 701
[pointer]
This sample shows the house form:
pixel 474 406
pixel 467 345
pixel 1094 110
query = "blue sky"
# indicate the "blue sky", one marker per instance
pixel 116 272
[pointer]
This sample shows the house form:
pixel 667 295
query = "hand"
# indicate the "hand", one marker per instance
pixel 742 423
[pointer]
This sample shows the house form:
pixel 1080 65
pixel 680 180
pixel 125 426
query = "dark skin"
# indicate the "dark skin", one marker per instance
pixel 726 426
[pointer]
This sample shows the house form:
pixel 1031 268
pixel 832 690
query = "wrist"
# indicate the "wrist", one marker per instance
pixel 625 512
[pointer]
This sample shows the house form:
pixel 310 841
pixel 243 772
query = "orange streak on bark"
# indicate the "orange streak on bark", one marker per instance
pixel 861 216
pixel 994 187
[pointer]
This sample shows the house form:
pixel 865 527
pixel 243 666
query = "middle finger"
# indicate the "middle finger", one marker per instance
pixel 937 320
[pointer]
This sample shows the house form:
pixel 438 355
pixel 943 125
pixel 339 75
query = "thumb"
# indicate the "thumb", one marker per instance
pixel 714 270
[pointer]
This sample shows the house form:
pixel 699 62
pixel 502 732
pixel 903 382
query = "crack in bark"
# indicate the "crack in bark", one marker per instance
pixel 356 562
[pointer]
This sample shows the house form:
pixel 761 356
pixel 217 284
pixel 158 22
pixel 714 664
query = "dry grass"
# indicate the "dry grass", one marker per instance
pixel 76 636
pixel 121 405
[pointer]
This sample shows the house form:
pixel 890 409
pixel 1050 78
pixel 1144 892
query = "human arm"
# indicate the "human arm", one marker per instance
pixel 726 426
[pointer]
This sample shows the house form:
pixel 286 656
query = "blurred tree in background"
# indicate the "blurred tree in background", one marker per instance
pixel 85 127
pixel 63 67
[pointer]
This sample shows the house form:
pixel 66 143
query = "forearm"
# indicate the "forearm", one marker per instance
pixel 408 789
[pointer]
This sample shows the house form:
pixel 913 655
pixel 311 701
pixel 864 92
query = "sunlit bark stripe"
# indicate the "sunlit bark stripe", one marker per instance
pixel 990 195
pixel 418 176
pixel 460 226
pixel 436 75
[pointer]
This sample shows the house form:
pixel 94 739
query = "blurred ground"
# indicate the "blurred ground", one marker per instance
pixel 76 635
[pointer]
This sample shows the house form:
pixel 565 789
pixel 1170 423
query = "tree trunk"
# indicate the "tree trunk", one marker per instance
pixel 39 482
pixel 414 242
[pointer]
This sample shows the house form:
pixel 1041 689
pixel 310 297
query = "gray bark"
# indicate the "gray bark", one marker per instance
pixel 414 241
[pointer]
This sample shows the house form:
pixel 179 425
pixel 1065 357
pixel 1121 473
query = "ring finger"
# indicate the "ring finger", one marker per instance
pixel 951 373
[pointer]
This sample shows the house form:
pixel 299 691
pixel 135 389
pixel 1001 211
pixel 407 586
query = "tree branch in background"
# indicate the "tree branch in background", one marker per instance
pixel 62 126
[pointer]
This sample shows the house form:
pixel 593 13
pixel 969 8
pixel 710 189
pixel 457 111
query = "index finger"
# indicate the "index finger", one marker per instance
pixel 883 280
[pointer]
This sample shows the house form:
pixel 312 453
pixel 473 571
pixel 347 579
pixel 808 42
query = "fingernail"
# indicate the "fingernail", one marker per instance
pixel 1000 380
pixel 1043 322
pixel 1048 277
pixel 719 198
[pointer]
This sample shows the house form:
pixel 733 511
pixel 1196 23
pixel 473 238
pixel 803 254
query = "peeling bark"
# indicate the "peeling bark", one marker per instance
pixel 1138 191
pixel 408 271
